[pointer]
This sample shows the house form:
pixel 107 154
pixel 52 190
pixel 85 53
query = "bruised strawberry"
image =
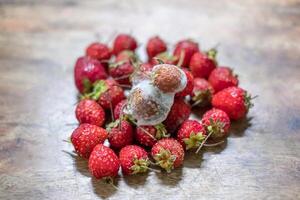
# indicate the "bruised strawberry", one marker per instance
pixel 234 101
pixel 148 135
pixel 120 134
pixel 155 46
pixel 184 50
pixel 164 58
pixel 103 162
pixel 202 92
pixel 180 111
pixel 202 64
pixel 86 72
pixel 217 122
pixel 188 90
pixel 124 42
pixel 86 137
pixel 89 111
pixel 222 77
pixel 191 134
pixel 134 160
pixel 168 153
pixel 98 51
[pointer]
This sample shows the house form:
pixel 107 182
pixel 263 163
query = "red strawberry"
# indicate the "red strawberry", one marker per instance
pixel 202 92
pixel 89 111
pixel 217 122
pixel 86 137
pixel 86 72
pixel 191 134
pixel 98 51
pixel 202 64
pixel 221 78
pixel 103 162
pixel 118 109
pixel 124 42
pixel 185 48
pixel 234 101
pixel 145 67
pixel 180 111
pixel 189 85
pixel 164 58
pixel 120 134
pixel 134 160
pixel 155 46
pixel 148 135
pixel 168 153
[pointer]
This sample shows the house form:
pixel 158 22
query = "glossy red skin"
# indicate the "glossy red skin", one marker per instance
pixel 189 48
pixel 120 137
pixel 173 146
pixel 127 156
pixel 186 129
pixel 121 73
pixel 103 162
pixel 113 95
pixel 88 68
pixel 201 65
pixel 232 101
pixel 155 46
pixel 217 115
pixel 188 90
pixel 86 137
pixel 89 111
pixel 118 109
pixel 98 51
pixel 201 84
pixel 221 78
pixel 144 139
pixel 124 42
pixel 180 111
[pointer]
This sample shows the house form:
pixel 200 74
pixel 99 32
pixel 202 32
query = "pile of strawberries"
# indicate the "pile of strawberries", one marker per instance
pixel 104 74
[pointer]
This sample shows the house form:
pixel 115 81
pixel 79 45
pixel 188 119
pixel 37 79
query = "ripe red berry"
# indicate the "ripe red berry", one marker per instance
pixel 98 51
pixel 202 64
pixel 86 137
pixel 86 72
pixel 155 46
pixel 188 90
pixel 120 134
pixel 202 92
pixel 191 134
pixel 124 42
pixel 185 49
pixel 234 101
pixel 149 135
pixel 103 162
pixel 146 67
pixel 222 77
pixel 89 111
pixel 134 160
pixel 118 111
pixel 217 122
pixel 164 58
pixel 168 153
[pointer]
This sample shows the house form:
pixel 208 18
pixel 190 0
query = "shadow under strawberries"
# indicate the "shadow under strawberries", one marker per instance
pixel 102 189
pixel 172 178
pixel 239 127
pixel 137 180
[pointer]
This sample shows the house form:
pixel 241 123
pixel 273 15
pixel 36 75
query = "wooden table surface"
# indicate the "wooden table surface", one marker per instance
pixel 39 42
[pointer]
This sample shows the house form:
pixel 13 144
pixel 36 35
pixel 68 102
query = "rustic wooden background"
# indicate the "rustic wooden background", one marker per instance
pixel 39 42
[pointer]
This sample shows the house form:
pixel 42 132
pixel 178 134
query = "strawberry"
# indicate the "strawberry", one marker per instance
pixel 202 64
pixel 148 135
pixel 86 137
pixel 180 111
pixel 107 93
pixel 103 162
pixel 118 111
pixel 189 85
pixel 86 72
pixel 168 153
pixel 89 111
pixel 222 77
pixel 124 42
pixel 164 58
pixel 134 160
pixel 202 92
pixel 191 134
pixel 185 49
pixel 120 134
pixel 98 51
pixel 217 122
pixel 234 101
pixel 155 46
pixel 145 67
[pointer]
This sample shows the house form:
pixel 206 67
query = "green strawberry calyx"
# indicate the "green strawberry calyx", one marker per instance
pixel 194 140
pixel 216 127
pixel 165 159
pixel 248 100
pixel 140 165
pixel 161 131
pixel 202 97
pixel 99 87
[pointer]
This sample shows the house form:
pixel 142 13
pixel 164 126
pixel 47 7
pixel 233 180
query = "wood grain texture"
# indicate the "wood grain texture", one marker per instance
pixel 39 42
